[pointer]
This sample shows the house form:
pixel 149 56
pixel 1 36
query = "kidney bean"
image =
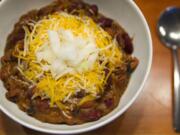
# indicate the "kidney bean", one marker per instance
pixel 128 43
pixel 125 42
pixel 105 22
pixel 94 115
pixel 108 102
pixel 120 40
pixel 93 9
pixel 72 7
pixel 30 92
pixel 42 105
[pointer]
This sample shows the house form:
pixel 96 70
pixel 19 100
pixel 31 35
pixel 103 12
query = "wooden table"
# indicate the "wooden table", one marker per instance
pixel 151 114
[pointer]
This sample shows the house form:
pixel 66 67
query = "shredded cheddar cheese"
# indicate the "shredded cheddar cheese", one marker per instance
pixel 45 68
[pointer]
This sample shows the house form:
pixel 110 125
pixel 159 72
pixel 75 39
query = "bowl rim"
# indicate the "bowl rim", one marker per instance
pixel 76 131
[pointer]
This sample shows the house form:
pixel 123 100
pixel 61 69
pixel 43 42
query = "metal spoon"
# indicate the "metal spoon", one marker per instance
pixel 169 32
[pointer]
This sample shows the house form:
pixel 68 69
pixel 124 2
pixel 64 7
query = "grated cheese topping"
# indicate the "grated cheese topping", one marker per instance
pixel 64 54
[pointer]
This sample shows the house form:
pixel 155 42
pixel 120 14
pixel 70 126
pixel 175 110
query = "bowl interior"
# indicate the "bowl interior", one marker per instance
pixel 123 11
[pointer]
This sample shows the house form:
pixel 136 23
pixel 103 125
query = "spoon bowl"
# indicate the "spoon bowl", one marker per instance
pixel 169 27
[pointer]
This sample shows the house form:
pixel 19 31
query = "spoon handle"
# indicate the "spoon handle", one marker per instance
pixel 176 91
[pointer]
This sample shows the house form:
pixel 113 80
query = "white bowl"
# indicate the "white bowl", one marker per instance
pixel 128 15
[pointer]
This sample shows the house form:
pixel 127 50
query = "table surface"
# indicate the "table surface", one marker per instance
pixel 151 114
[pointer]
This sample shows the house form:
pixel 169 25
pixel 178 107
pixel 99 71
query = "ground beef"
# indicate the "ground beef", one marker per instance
pixel 20 92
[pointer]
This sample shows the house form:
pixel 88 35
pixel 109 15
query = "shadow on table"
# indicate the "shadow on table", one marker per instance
pixel 117 127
